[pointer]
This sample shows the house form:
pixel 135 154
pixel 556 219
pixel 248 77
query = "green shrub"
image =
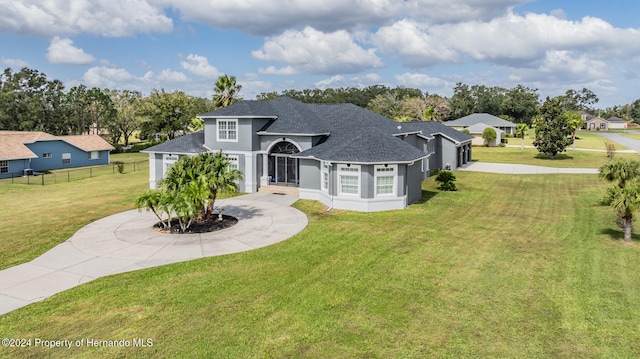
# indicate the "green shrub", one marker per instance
pixel 446 179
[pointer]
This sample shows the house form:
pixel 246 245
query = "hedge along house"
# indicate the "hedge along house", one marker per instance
pixel 345 156
pixel 23 152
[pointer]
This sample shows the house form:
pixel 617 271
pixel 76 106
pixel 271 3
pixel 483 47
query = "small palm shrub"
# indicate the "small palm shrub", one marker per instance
pixel 446 179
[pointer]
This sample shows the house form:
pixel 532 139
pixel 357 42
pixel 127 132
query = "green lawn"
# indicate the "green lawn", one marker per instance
pixel 531 156
pixel 584 139
pixel 508 267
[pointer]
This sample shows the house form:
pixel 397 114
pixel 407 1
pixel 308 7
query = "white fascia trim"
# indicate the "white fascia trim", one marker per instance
pixel 173 153
pixel 362 163
pixel 407 133
pixel 265 133
pixel 427 137
pixel 234 117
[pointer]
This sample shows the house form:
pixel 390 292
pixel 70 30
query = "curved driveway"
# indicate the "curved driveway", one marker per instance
pixel 125 242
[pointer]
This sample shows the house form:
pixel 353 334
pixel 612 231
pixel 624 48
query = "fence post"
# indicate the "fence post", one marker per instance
pixel 90 172
pixel 68 176
pixel 42 175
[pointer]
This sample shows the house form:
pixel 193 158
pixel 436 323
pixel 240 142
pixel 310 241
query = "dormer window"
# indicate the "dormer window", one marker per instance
pixel 227 130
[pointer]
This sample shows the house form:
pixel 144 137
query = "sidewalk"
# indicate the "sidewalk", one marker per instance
pixel 518 169
pixel 125 242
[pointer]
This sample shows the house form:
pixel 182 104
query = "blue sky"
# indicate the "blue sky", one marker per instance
pixel 428 44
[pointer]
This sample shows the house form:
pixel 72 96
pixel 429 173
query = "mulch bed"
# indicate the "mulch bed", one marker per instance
pixel 212 225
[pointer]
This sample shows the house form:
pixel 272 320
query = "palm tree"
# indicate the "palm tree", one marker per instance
pixel 521 131
pixel 620 171
pixel 220 177
pixel 152 200
pixel 624 201
pixel 226 91
pixel 575 121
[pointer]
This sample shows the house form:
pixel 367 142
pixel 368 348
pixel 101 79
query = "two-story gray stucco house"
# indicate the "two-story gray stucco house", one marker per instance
pixel 345 156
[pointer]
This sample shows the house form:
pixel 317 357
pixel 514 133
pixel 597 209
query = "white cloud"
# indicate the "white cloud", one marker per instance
pixel 169 76
pixel 355 81
pixel 317 52
pixel 62 51
pixel 15 64
pixel 107 77
pixel 199 65
pixel 420 80
pixel 271 17
pixel 100 17
pixel 272 70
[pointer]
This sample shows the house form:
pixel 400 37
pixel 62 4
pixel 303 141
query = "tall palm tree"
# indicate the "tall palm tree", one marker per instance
pixel 575 121
pixel 219 175
pixel 226 91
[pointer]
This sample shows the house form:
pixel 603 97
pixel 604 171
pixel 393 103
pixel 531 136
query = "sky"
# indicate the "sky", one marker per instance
pixel 269 45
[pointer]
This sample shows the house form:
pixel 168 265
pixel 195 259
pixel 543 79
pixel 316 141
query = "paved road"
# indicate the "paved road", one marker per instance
pixel 125 242
pixel 509 168
pixel 631 143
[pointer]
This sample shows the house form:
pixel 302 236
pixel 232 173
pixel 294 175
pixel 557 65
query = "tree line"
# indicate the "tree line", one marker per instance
pixel 29 101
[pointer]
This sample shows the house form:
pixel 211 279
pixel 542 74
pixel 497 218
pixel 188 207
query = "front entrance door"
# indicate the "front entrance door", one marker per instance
pixel 283 169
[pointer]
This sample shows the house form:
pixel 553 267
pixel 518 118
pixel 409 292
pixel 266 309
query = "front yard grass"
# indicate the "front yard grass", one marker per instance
pixel 508 267
pixel 531 156
pixel 584 139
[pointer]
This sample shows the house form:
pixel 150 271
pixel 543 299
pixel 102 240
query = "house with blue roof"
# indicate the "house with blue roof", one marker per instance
pixel 342 155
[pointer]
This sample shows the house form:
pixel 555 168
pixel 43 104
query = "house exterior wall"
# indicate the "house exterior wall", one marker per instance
pixel 15 168
pixel 414 182
pixel 597 124
pixel 79 158
pixel 449 154
pixel 310 174
pixel 246 132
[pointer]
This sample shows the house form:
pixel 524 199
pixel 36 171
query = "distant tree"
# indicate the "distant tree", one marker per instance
pixel 521 103
pixel 553 132
pixel 634 111
pixel 266 96
pixel 466 130
pixel 521 132
pixel 128 117
pixel 226 91
pixel 169 113
pixel 441 108
pixel 446 180
pixel 388 105
pixel 462 102
pixel 579 100
pixel 489 135
pixel 100 108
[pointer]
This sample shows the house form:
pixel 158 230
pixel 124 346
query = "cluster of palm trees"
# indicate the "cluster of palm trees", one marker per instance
pixel 624 193
pixel 190 189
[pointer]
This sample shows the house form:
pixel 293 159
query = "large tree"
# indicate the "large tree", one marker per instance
pixel 553 132
pixel 226 91
pixel 128 117
pixel 169 113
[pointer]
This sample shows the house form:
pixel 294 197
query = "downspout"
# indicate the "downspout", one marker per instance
pixel 330 191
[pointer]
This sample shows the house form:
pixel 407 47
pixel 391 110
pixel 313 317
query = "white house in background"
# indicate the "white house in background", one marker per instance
pixel 617 123
pixel 509 128
pixel 478 129
pixel 342 155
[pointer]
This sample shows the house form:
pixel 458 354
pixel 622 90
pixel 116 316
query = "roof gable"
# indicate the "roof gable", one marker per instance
pixel 12 143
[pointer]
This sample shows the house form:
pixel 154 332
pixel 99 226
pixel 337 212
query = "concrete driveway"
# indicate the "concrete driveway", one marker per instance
pixel 631 143
pixel 125 242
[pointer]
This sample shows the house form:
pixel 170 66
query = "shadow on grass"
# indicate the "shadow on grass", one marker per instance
pixel 559 157
pixel 426 195
pixel 618 235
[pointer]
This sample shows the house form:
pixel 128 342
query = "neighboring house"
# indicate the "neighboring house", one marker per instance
pixel 342 155
pixel 478 129
pixel 40 151
pixel 595 123
pixel 508 127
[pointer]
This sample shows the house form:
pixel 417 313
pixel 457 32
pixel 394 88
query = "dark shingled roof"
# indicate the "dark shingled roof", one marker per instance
pixel 432 128
pixel 351 133
pixel 190 143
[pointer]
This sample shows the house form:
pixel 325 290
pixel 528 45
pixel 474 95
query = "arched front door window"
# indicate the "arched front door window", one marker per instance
pixel 283 169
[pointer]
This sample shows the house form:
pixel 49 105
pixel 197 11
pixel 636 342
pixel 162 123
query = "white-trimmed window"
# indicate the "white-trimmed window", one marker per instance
pixel 349 179
pixel 385 176
pixel 227 130
pixel 233 162
pixel 47 155
pixel 325 176
pixel 4 166
pixel 66 158
pixel 95 155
